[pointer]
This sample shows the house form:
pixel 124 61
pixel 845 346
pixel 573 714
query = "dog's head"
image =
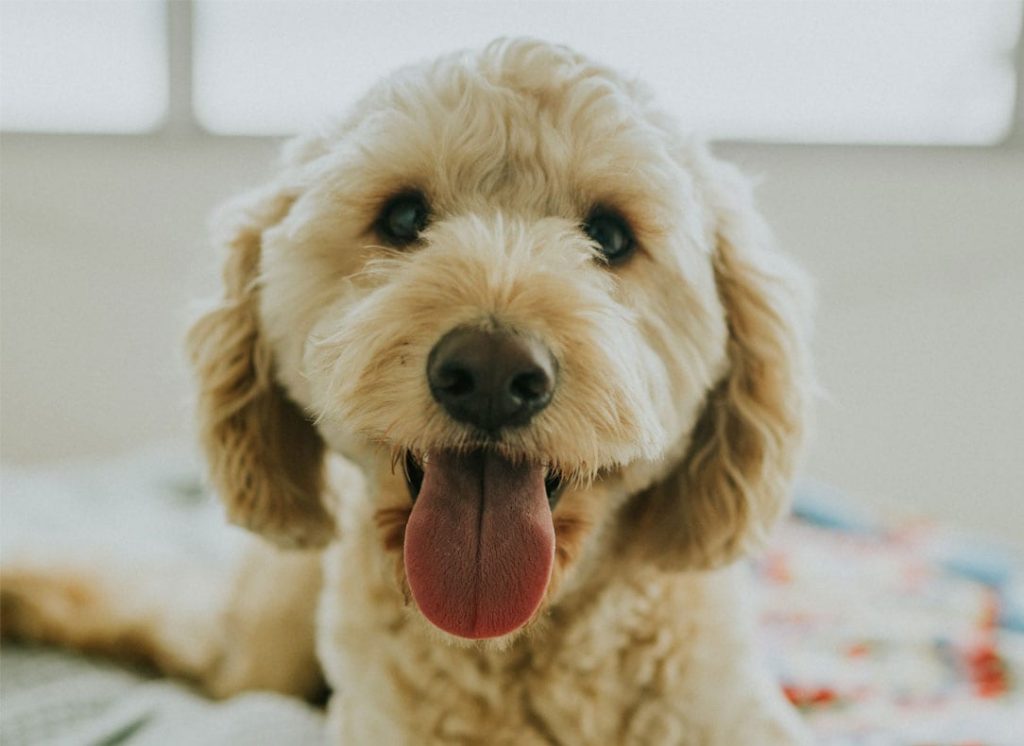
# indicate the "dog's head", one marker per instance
pixel 532 313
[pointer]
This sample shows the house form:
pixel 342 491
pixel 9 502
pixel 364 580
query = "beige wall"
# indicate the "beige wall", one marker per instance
pixel 918 255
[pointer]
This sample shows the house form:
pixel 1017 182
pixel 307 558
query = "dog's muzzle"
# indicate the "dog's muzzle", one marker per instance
pixel 479 544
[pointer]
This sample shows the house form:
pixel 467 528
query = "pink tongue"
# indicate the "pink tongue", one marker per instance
pixel 479 544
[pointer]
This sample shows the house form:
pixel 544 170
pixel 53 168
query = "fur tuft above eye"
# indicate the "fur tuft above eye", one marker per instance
pixel 403 218
pixel 612 235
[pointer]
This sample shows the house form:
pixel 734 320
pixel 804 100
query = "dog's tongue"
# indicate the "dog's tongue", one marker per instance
pixel 479 544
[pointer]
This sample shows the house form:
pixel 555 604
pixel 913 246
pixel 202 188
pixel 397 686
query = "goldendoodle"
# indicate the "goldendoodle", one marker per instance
pixel 515 373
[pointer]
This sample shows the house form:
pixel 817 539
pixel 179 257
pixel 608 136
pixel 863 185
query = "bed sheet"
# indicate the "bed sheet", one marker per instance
pixel 893 630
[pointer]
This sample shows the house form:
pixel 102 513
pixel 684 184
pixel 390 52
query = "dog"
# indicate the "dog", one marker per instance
pixel 509 374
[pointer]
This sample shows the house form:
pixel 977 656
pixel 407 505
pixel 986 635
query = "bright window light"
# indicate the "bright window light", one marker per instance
pixel 85 66
pixel 844 71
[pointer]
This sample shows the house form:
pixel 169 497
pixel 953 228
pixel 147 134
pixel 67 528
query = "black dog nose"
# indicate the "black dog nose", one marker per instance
pixel 491 379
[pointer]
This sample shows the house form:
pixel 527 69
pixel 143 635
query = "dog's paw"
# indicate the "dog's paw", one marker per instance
pixel 773 729
pixel 40 603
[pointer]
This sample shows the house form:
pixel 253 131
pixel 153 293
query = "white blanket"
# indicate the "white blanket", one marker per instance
pixel 147 506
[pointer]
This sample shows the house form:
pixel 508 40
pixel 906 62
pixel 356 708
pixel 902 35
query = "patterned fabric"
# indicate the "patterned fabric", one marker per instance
pixel 896 633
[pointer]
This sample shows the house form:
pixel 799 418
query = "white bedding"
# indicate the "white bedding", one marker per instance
pixel 148 506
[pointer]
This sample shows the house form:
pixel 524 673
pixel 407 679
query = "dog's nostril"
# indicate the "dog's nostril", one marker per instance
pixel 531 386
pixel 455 380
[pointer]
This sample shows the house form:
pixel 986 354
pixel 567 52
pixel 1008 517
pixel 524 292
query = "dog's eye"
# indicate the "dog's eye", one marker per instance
pixel 403 218
pixel 612 236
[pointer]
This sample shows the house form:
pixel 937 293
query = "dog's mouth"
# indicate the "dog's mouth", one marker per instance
pixel 553 482
pixel 480 540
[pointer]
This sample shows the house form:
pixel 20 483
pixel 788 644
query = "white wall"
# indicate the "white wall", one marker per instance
pixel 919 262
pixel 918 254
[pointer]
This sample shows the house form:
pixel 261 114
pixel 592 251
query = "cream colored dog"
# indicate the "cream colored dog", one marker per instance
pixel 554 339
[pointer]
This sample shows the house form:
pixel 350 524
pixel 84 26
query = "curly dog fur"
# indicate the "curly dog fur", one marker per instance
pixel 683 383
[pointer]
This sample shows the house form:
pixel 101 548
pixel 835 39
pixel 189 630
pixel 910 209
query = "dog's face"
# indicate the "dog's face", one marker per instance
pixel 530 312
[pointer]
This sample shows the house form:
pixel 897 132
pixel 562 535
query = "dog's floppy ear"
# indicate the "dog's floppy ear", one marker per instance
pixel 734 479
pixel 264 455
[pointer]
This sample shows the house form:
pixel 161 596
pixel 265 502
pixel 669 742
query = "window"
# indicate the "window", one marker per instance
pixel 835 71
pixel 906 72
pixel 97 66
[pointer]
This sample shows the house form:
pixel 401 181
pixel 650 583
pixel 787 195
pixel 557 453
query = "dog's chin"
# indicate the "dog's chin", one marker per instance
pixel 489 644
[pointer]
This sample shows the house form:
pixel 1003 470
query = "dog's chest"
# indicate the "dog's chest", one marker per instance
pixel 411 695
pixel 598 679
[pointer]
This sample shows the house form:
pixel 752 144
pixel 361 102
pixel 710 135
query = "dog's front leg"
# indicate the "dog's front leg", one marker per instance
pixel 228 631
pixel 730 697
pixel 750 709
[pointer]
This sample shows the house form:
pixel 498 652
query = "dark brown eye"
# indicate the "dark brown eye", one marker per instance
pixel 403 218
pixel 611 234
